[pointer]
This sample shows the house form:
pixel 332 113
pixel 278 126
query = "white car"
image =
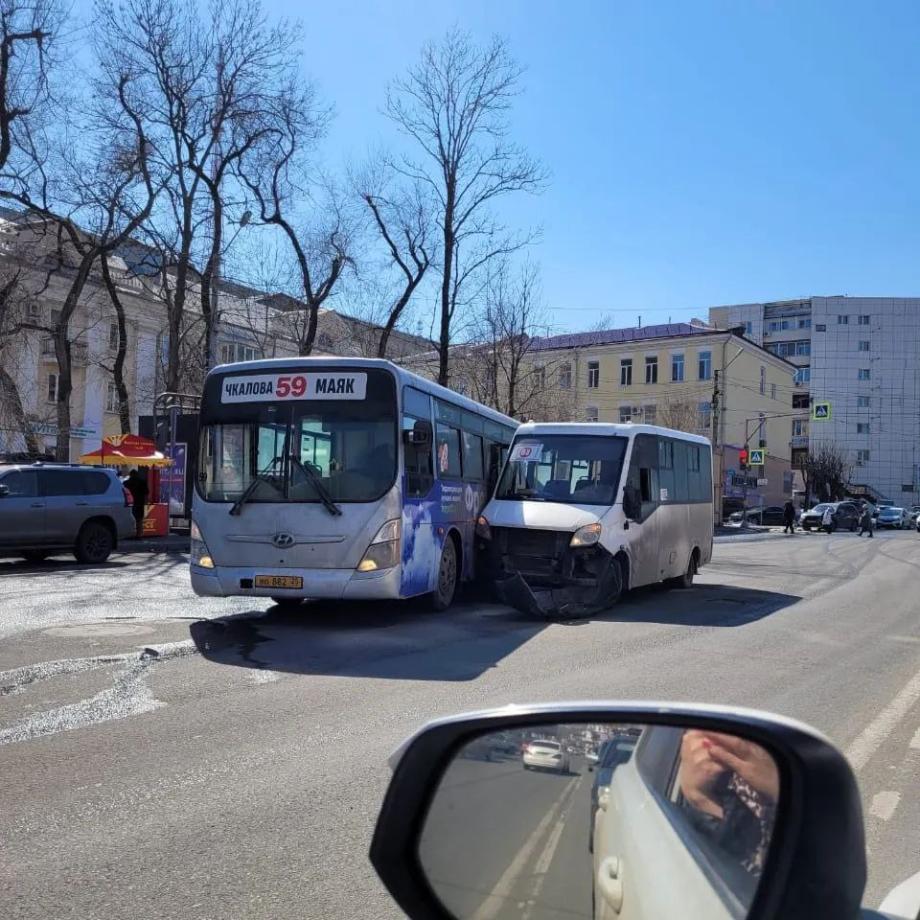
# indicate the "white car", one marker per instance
pixel 545 755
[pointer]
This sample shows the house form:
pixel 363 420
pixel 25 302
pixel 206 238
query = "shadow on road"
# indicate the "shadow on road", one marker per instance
pixel 400 640
pixel 63 564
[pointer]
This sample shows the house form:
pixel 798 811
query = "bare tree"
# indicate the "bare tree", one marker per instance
pixel 402 219
pixel 454 105
pixel 117 370
pixel 826 472
pixel 679 414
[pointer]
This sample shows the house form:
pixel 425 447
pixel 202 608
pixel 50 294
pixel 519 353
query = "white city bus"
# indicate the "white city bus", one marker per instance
pixel 339 478
pixel 583 512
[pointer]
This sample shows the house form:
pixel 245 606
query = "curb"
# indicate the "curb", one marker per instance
pixel 164 545
pixel 747 538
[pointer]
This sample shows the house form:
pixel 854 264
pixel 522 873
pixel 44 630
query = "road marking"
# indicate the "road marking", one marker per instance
pixel 871 737
pixel 915 741
pixel 883 804
pixel 497 899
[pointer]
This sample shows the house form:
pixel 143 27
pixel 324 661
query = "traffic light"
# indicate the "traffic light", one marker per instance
pixel 743 459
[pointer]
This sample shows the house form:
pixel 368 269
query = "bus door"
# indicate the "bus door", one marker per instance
pixel 643 535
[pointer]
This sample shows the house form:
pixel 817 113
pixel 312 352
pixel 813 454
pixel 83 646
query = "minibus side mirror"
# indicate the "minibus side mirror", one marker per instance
pixel 419 435
pixel 632 507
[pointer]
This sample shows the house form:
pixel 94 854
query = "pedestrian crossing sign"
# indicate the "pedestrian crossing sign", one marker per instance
pixel 821 411
pixel 756 458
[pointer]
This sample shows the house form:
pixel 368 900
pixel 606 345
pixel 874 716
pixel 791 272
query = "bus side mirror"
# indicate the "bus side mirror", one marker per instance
pixel 632 507
pixel 419 435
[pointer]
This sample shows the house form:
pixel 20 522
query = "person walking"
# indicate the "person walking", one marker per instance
pixel 137 486
pixel 789 518
pixel 865 520
pixel 827 521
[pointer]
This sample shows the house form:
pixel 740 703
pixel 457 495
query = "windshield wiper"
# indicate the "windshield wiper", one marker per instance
pixel 524 493
pixel 261 476
pixel 321 490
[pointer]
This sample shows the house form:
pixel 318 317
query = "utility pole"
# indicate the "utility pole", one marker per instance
pixel 714 411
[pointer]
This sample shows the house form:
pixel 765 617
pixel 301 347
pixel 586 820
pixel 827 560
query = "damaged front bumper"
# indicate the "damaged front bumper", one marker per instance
pixel 539 573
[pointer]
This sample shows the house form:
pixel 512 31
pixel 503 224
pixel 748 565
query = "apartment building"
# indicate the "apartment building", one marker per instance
pixel 860 356
pixel 670 375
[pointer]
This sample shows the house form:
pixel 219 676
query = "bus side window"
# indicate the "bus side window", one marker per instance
pixel 643 472
pixel 419 461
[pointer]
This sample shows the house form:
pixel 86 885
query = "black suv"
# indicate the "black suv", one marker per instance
pixel 47 508
pixel 845 516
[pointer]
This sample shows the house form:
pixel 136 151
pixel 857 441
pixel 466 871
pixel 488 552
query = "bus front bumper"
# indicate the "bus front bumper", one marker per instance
pixel 333 584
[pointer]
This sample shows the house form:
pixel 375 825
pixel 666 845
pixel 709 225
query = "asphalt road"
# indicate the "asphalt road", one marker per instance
pixel 163 755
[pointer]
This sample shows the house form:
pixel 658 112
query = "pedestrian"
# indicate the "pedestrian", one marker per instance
pixel 789 518
pixel 137 486
pixel 865 520
pixel 827 521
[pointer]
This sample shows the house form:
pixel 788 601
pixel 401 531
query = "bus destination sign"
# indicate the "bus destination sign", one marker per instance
pixel 284 387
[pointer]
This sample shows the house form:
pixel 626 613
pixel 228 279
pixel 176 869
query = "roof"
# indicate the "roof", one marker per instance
pixel 533 429
pixel 611 336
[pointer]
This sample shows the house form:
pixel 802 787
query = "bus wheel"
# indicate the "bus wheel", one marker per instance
pixel 443 595
pixel 685 580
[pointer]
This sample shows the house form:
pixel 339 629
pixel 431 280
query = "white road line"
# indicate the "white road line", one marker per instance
pixel 883 804
pixel 871 737
pixel 497 899
pixel 915 741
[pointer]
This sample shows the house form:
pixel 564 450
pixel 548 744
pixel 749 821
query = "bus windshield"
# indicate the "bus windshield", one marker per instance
pixel 570 468
pixel 301 451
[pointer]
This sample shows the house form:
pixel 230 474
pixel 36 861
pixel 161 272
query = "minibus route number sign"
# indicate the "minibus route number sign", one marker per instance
pixel 293 386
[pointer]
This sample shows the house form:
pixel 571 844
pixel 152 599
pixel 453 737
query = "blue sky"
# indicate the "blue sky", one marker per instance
pixel 701 153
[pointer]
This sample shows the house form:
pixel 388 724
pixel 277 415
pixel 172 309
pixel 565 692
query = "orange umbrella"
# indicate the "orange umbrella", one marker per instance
pixel 126 450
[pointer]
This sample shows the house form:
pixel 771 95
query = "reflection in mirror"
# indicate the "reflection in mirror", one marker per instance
pixel 601 821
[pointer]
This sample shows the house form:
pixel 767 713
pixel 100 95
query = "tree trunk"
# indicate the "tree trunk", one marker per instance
pixel 395 313
pixel 118 369
pixel 210 274
pixel 64 389
pixel 444 338
pixel 11 391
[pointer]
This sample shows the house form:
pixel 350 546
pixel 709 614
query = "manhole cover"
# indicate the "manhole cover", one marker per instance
pixel 94 630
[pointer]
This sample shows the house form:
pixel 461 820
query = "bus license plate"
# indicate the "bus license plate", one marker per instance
pixel 278 581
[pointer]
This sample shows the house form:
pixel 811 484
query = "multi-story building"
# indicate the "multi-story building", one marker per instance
pixel 671 375
pixel 859 355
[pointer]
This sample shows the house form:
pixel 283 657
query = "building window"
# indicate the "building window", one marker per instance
pixel 843 320
pixel 324 340
pixel 862 427
pixel 625 414
pixel 772 391
pixel 802 375
pixel 799 427
pixel 763 380
pixel 863 345
pixel 862 456
pixel 820 327
pixel 594 375
pixel 232 351
pixel 651 370
pixel 705 365
pixel 591 414
pixel 113 336
pixel 863 320
pixel 862 402
pixel 705 413
pixel 748 327
pixel 863 374
pixel 803 348
pixel 52 387
pixel 804 322
pixel 650 415
pixel 565 377
pixel 800 401
pixel 780 325
pixel 56 318
pixel 539 375
pixel 111 397
pixel 626 372
pixel 677 368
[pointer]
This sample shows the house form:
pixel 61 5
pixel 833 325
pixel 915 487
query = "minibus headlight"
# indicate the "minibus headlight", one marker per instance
pixel 588 535
pixel 198 549
pixel 383 552
pixel 482 527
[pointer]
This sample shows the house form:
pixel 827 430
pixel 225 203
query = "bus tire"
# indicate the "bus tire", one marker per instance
pixel 443 595
pixel 685 580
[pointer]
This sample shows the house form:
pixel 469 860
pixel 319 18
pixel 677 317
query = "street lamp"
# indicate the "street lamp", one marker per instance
pixel 244 220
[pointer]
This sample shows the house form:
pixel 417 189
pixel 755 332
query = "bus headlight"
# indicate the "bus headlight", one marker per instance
pixel 383 552
pixel 588 535
pixel 198 549
pixel 482 527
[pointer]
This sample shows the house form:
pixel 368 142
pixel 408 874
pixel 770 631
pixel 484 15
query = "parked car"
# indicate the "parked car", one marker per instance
pixel 545 755
pixel 892 516
pixel 47 508
pixel 846 516
pixel 913 514
pixel 770 516
pixel 612 753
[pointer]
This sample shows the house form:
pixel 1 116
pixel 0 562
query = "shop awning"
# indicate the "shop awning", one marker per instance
pixel 126 450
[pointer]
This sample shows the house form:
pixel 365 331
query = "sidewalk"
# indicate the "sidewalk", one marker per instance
pixel 745 534
pixel 174 543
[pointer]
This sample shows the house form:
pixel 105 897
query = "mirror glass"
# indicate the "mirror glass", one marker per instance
pixel 601 821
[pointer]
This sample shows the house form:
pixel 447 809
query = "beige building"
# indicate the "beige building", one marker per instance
pixel 673 375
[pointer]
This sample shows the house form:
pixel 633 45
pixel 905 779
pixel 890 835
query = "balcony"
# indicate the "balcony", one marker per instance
pixel 799 440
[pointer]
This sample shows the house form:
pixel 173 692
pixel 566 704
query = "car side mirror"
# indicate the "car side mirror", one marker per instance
pixel 419 435
pixel 460 836
pixel 632 504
